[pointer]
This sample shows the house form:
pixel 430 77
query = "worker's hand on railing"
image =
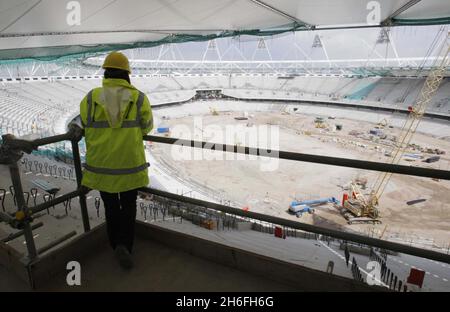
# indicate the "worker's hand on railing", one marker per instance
pixel 76 132
pixel 84 189
pixel 18 144
pixel 76 128
pixel 11 149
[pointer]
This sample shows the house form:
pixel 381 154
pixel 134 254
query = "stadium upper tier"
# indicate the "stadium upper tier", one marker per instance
pixel 44 106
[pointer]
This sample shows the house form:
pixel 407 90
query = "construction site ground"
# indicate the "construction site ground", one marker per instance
pixel 270 192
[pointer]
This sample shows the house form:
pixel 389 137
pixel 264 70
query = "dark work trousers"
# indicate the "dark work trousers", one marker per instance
pixel 120 212
pixel 347 255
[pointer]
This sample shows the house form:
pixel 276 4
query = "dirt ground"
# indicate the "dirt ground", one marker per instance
pixel 271 192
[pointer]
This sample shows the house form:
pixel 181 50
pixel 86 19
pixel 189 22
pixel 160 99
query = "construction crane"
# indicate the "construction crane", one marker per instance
pixel 362 206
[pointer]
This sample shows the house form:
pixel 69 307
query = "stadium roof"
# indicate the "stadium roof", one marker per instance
pixel 46 29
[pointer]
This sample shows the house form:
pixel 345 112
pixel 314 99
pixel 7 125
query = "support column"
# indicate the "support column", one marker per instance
pixel 27 232
pixel 79 175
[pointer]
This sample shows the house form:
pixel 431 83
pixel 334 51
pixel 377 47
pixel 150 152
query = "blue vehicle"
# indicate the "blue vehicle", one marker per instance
pixel 300 207
pixel 299 210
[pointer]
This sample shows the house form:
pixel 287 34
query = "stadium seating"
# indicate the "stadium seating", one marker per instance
pixel 44 107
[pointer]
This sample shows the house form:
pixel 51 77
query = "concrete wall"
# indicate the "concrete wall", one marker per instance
pixel 303 279
pixel 54 262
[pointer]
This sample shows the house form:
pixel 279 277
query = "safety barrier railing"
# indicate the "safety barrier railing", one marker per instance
pixel 346 236
pixel 12 150
pixel 368 264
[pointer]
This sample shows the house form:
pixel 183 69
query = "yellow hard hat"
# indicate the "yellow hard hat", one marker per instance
pixel 117 60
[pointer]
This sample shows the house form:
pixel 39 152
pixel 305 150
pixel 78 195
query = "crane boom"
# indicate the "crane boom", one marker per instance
pixel 427 92
pixel 368 207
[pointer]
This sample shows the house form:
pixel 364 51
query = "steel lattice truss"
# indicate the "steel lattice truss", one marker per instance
pixel 382 55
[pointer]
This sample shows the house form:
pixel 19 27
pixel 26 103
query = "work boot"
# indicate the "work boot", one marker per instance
pixel 124 257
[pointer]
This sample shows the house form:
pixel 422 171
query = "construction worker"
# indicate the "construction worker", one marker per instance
pixel 347 254
pixel 115 117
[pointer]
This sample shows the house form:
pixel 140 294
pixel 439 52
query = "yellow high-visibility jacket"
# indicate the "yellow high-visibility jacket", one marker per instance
pixel 115 117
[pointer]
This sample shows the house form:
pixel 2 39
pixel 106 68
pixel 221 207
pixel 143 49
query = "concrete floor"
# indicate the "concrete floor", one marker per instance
pixel 315 254
pixel 161 268
pixel 10 282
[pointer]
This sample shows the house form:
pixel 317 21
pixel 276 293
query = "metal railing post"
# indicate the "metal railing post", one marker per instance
pixel 12 236
pixel 21 206
pixel 79 175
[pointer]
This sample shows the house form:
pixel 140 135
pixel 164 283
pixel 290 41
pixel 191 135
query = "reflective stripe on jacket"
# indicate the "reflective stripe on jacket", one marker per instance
pixel 115 117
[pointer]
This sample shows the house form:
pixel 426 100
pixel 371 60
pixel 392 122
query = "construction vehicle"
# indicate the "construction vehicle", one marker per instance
pixel 213 111
pixel 382 123
pixel 299 210
pixel 319 122
pixel 164 130
pixel 300 207
pixel 362 206
pixel 358 205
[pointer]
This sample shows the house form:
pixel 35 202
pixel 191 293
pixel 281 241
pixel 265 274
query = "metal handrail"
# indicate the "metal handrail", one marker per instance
pixel 11 150
pixel 325 160
pixel 424 253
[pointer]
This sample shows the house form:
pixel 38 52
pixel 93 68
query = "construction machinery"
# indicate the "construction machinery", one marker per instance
pixel 164 130
pixel 319 122
pixel 358 205
pixel 382 123
pixel 213 111
pixel 362 206
pixel 300 207
pixel 299 210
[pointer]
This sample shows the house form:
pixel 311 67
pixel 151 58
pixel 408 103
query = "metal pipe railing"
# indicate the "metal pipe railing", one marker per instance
pixel 22 207
pixel 56 242
pixel 10 153
pixel 6 217
pixel 424 253
pixel 68 136
pixel 82 195
pixel 57 200
pixel 326 160
pixel 20 233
